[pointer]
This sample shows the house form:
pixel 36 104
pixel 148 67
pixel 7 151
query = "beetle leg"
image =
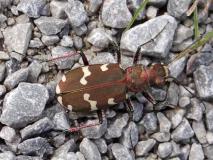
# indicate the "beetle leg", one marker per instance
pixel 84 58
pixel 149 97
pixel 135 60
pixel 118 52
pixel 101 116
pixel 130 108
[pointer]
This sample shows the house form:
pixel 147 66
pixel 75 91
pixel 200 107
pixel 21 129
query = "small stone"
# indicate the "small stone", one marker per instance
pixel 36 43
pixel 4 56
pixel 116 128
pixel 99 38
pixel 175 116
pixel 182 33
pixel 165 149
pixel 2 90
pixel 138 110
pixel 34 71
pixel 2 71
pixel 15 78
pixel 18 37
pixel 94 5
pixel 151 12
pixel 57 9
pixel 101 144
pixel 185 152
pixel 196 110
pixel 50 40
pixel 209 137
pixel 143 147
pixel 102 58
pixel 176 67
pixel 115 14
pixel 78 42
pixel 94 132
pixel 23 19
pixel 18 111
pixel 80 156
pixel 146 32
pixel 51 86
pixel 196 152
pixel 61 122
pixel 183 131
pixel 32 8
pixel 184 102
pixel 22 157
pixel 7 133
pixel 62 151
pixel 11 21
pixel 7 155
pixel 208 152
pixel 39 127
pixel 200 131
pixel 76 13
pixel 50 25
pixel 120 152
pixel 63 63
pixel 161 137
pixel 178 8
pixel 176 151
pixel 182 46
pixel 80 30
pixel 14 10
pixel 203 78
pixel 149 121
pixel 66 41
pixel 37 146
pixel 129 137
pixel 165 124
pixel 89 150
pixel 209 116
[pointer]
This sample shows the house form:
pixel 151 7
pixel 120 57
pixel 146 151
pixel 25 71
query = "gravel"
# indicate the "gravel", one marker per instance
pixel 37 40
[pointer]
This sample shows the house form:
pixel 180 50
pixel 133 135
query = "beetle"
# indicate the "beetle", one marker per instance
pixel 99 86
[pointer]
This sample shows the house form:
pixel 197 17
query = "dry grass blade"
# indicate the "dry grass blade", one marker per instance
pixel 136 14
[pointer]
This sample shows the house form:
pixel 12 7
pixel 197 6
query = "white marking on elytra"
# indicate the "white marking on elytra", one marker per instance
pixel 86 74
pixel 93 104
pixel 58 91
pixel 70 107
pixel 111 101
pixel 60 100
pixel 64 78
pixel 104 67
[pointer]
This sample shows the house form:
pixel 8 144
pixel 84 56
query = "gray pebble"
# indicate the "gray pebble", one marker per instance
pixel 80 156
pixel 196 110
pixel 178 8
pixel 200 131
pixel 185 150
pixel 61 122
pixel 41 126
pixel 37 146
pixel 89 150
pixel 208 152
pixel 165 124
pixel 94 132
pixel 102 58
pixel 78 42
pixel 2 90
pixel 184 102
pixel 18 111
pixel 120 152
pixel 149 121
pixel 209 137
pixel 115 14
pixel 99 38
pixel 151 12
pixel 34 71
pixel 94 5
pixel 143 147
pixel 22 157
pixel 129 137
pixel 4 56
pixel 203 77
pixel 176 67
pixel 161 137
pixel 196 152
pixel 36 43
pixel 101 144
pixel 183 131
pixel 138 110
pixel 147 31
pixel 165 149
pixel 15 78
pixel 7 133
pixel 50 40
pixel 50 25
pixel 209 116
pixel 80 30
pixel 32 8
pixel 18 37
pixel 66 41
pixel 76 13
pixel 116 128
pixel 57 8
pixel 7 155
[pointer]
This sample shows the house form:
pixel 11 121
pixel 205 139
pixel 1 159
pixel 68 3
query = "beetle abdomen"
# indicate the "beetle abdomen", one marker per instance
pixel 92 87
